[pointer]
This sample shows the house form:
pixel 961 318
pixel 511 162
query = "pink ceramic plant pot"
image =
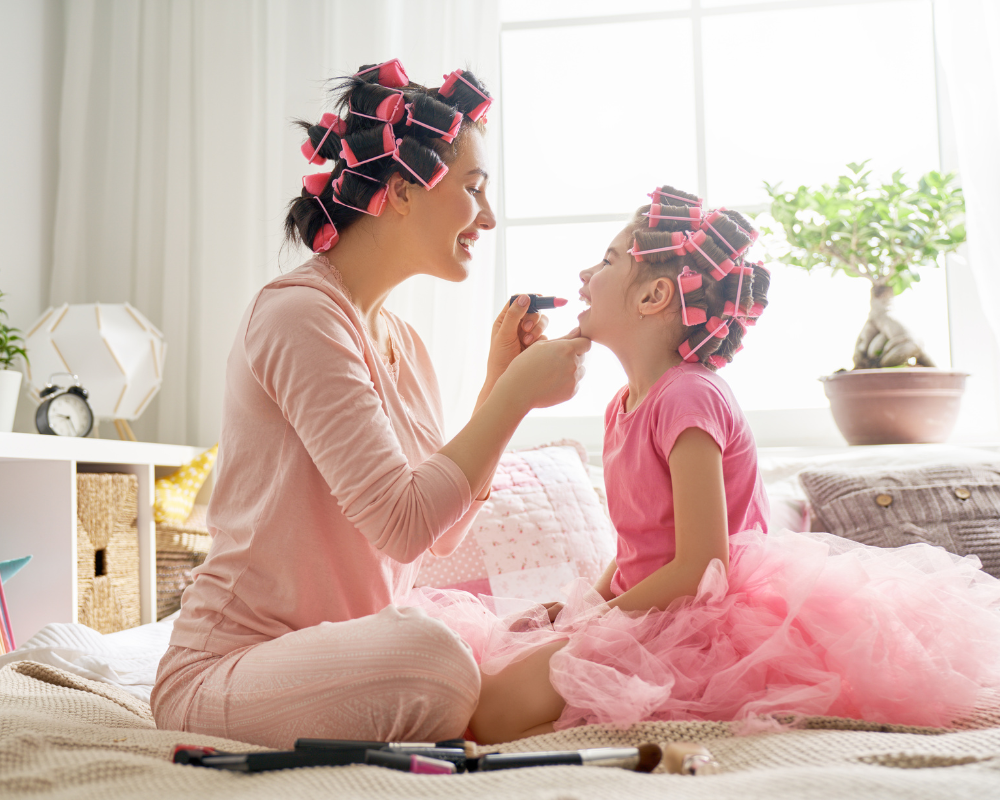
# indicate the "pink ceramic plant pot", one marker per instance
pixel 904 405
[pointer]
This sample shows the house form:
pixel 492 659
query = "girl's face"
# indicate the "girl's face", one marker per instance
pixel 607 290
pixel 446 221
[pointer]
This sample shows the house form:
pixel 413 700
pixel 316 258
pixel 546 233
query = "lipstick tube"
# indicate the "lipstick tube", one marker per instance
pixel 409 762
pixel 540 302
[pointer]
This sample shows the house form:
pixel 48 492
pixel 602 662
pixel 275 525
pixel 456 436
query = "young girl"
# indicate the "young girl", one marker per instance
pixel 704 615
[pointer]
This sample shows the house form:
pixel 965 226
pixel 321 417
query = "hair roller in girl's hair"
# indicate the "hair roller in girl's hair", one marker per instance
pixel 332 124
pixel 659 211
pixel 434 116
pixel 714 217
pixel 744 275
pixel 674 194
pixel 421 162
pixel 368 145
pixel 717 269
pixel 687 282
pixel 717 361
pixel 372 101
pixel 715 329
pixel 676 240
pixel 389 74
pixel 466 93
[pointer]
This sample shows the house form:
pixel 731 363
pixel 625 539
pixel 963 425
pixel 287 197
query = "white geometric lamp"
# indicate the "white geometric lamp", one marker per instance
pixel 112 348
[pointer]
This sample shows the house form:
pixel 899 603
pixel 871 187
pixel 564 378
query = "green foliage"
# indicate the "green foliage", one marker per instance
pixel 10 343
pixel 884 233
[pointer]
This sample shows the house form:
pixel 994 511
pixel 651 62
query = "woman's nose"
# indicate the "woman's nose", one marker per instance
pixel 487 220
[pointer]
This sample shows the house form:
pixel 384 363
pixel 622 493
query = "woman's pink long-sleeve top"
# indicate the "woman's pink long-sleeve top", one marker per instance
pixel 328 484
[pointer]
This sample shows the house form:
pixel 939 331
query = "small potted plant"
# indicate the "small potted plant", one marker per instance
pixel 885 234
pixel 11 348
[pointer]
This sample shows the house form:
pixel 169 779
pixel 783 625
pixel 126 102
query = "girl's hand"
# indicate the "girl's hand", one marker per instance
pixel 547 374
pixel 513 332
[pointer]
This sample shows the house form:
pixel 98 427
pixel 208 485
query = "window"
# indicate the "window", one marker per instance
pixel 712 96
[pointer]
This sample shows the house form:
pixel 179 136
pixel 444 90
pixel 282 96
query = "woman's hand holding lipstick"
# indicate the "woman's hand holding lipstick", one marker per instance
pixel 514 330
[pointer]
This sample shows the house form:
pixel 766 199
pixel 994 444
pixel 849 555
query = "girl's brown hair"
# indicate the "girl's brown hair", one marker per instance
pixel 672 235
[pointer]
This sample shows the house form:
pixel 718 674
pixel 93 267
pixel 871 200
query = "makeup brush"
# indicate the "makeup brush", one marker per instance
pixel 540 302
pixel 643 758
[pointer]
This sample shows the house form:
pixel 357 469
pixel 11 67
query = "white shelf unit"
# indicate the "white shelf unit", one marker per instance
pixel 38 518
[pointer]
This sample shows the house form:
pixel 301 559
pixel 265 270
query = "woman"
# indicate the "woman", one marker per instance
pixel 333 477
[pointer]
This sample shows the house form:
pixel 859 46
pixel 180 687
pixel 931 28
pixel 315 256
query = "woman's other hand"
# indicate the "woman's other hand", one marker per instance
pixel 514 330
pixel 549 373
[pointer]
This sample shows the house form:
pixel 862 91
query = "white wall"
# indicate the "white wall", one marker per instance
pixel 30 80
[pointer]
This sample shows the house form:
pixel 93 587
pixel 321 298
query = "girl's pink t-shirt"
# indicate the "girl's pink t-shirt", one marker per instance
pixel 329 486
pixel 637 445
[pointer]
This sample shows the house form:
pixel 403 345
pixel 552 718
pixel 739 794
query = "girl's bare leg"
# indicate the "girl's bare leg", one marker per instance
pixel 519 701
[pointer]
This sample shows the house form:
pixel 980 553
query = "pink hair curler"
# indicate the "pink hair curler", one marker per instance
pixel 448 135
pixel 327 236
pixel 316 182
pixel 719 271
pixel 389 110
pixel 716 215
pixel 377 203
pixel 730 309
pixel 752 233
pixel 391 74
pixel 637 254
pixel 689 281
pixel 439 172
pixel 448 89
pixel 333 124
pixel 689 354
pixel 656 194
pixel 717 361
pixel 388 145
pixel 694 215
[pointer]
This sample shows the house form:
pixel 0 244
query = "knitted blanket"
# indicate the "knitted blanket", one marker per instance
pixel 64 736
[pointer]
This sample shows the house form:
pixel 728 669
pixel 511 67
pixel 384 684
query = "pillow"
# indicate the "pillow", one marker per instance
pixel 543 526
pixel 787 512
pixel 175 494
pixel 954 506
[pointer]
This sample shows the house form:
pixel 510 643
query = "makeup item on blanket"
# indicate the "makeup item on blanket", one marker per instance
pixel 453 750
pixel 688 758
pixel 290 759
pixel 643 758
pixel 407 762
pixel 540 302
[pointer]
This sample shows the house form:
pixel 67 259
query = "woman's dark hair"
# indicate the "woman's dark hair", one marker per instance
pixel 671 235
pixel 421 151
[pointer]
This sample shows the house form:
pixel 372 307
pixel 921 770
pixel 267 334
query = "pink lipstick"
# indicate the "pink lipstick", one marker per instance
pixel 540 302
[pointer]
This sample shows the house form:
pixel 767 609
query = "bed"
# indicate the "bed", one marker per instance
pixel 75 723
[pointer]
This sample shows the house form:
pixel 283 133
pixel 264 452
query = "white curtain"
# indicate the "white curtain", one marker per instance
pixel 968 39
pixel 177 158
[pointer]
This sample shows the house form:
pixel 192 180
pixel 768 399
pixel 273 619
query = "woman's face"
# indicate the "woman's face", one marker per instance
pixel 606 290
pixel 447 220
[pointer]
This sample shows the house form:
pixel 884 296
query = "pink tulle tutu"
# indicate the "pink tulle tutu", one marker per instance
pixel 805 623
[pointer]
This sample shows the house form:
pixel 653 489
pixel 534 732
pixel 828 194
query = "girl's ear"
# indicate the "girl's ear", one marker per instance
pixel 400 194
pixel 658 295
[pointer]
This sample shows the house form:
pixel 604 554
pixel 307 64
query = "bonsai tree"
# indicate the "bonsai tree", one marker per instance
pixel 11 343
pixel 884 233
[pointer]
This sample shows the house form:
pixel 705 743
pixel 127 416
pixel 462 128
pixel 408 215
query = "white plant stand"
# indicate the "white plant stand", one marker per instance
pixel 38 518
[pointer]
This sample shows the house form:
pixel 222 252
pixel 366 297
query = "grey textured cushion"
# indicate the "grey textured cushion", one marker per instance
pixel 955 506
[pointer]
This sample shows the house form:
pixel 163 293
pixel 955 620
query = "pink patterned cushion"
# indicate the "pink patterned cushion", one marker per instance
pixel 543 526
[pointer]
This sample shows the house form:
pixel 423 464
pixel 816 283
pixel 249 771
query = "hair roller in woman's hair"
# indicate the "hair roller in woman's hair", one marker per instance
pixel 360 192
pixel 316 183
pixel 368 145
pixel 325 238
pixel 372 101
pixel 466 93
pixel 433 115
pixel 389 73
pixel 421 162
pixel 329 124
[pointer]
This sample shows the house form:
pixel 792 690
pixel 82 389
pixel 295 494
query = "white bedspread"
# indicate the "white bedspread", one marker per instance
pixel 127 659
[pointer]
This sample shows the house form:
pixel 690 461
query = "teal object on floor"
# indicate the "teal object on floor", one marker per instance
pixel 8 569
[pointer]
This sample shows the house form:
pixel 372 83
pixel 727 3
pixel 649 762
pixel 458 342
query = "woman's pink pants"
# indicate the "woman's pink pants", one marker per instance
pixel 394 676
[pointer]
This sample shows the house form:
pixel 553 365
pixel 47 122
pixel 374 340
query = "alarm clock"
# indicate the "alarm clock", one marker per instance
pixel 64 410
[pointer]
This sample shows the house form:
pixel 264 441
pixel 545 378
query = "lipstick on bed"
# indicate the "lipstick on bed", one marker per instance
pixel 409 762
pixel 540 302
pixel 643 758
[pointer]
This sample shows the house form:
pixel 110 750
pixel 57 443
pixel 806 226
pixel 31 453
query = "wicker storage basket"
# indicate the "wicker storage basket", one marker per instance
pixel 107 551
pixel 180 547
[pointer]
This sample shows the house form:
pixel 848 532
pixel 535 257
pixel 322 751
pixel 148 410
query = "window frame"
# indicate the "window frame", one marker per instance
pixel 778 427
